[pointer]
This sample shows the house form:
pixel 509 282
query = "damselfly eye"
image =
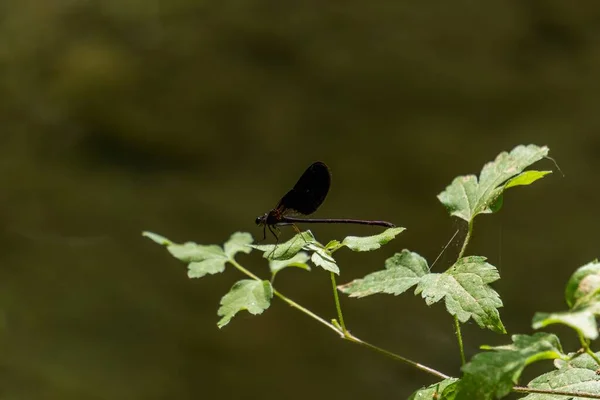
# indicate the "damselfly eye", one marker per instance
pixel 258 220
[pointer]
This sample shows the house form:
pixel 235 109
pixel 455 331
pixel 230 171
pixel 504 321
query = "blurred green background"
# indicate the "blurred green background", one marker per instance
pixel 190 118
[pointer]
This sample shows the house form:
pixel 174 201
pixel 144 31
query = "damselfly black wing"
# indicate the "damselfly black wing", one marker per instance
pixel 309 192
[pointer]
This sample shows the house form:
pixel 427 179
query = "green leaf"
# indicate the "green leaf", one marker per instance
pixel 583 321
pixel 238 242
pixel 526 178
pixel 465 287
pixel 204 259
pixel 492 374
pixel 299 261
pixel 211 266
pixel 584 285
pixel 402 271
pixel 248 294
pixel 286 250
pixel 435 392
pixel 333 245
pixel 321 258
pixel 190 251
pixel 201 259
pixel 369 243
pixel 578 375
pixel 163 241
pixel 466 197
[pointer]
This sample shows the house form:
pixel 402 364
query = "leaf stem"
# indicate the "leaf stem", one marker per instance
pixel 467 239
pixel 460 340
pixel 338 306
pixel 586 346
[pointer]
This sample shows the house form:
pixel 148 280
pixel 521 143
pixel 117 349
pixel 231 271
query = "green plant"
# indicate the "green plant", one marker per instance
pixel 464 287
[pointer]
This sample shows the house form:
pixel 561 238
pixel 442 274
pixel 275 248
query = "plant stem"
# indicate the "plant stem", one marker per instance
pixel 394 356
pixel 306 311
pixel 586 346
pixel 467 239
pixel 338 306
pixel 244 270
pixel 460 341
pixel 522 389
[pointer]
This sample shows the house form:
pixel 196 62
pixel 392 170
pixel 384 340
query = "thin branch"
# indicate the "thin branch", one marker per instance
pixel 523 389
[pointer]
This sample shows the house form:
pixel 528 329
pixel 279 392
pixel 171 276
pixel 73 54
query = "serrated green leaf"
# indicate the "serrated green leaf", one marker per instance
pixel 321 258
pixel 577 360
pixel 466 196
pixel 402 271
pixel 465 288
pixel 368 243
pixel 492 374
pixel 286 250
pixel 435 391
pixel 526 178
pixel 201 259
pixel 238 242
pixel 163 241
pixel 584 285
pixel 204 259
pixel 248 294
pixel 578 375
pixel 583 321
pixel 298 261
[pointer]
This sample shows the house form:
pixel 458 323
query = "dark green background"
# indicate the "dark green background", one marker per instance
pixel 191 118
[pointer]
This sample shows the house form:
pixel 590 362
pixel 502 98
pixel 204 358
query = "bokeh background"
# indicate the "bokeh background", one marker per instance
pixel 190 118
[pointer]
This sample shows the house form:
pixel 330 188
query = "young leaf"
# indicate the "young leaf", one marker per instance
pixel 465 287
pixel 583 321
pixel 437 391
pixel 492 374
pixel 299 261
pixel 579 375
pixel 321 258
pixel 286 250
pixel 248 294
pixel 466 197
pixel 163 241
pixel 526 178
pixel 402 271
pixel 333 245
pixel 368 243
pixel 583 285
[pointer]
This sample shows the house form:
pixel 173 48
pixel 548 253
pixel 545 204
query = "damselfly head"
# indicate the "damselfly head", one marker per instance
pixel 260 221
